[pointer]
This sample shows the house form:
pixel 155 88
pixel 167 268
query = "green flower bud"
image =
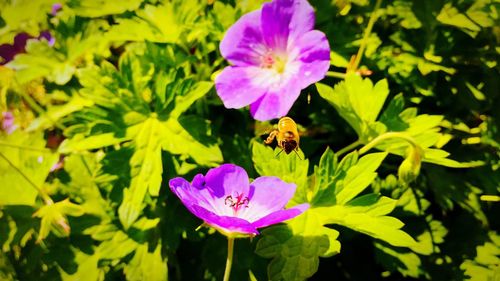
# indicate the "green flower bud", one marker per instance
pixel 410 167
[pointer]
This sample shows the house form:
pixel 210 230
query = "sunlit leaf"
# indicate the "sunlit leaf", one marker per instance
pixel 146 170
pixel 98 8
pixel 29 166
pixel 297 246
pixel 147 265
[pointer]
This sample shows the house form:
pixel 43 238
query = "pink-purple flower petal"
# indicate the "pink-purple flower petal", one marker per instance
pixel 276 17
pixel 190 195
pixel 236 86
pixel 302 19
pixel 227 179
pixel 268 194
pixel 313 53
pixel 275 104
pixel 243 44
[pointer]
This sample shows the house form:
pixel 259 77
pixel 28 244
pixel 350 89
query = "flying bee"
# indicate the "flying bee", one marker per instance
pixel 286 135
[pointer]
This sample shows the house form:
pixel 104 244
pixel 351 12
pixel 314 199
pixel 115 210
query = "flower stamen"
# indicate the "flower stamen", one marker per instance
pixel 236 203
pixel 272 61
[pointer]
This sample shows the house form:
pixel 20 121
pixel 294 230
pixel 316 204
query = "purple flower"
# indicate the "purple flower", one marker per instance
pixel 226 200
pixel 55 8
pixel 275 53
pixel 8 52
pixel 8 124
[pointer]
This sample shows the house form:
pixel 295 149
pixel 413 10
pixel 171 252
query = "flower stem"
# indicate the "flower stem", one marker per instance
pixel 335 74
pixel 364 41
pixel 348 148
pixel 385 136
pixel 229 260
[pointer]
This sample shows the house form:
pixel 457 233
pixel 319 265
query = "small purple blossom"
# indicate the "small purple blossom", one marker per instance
pixel 55 8
pixel 8 124
pixel 225 199
pixel 275 53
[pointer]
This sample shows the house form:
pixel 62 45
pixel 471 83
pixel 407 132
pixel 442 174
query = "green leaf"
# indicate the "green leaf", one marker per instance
pixel 451 16
pixel 345 180
pixel 41 60
pixel 482 13
pixel 359 177
pixel 164 23
pixel 182 103
pixel 431 156
pixel 53 218
pixel 81 143
pixel 55 113
pixel 119 246
pixel 402 10
pixel 99 8
pixel 84 170
pixel 289 168
pixel 147 266
pixel 475 92
pixel 324 174
pixel 177 140
pixel 367 214
pixel 297 246
pixel 358 101
pixel 22 16
pixel 146 170
pixel 428 240
pixel 27 156
pixel 408 263
pixel 485 266
pixel 88 268
pixel 144 224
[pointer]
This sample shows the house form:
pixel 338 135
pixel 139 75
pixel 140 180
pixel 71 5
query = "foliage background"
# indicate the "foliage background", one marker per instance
pixel 125 99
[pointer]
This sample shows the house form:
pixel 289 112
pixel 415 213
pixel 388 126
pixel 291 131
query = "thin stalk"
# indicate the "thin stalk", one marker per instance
pixel 364 41
pixel 229 260
pixel 46 198
pixel 385 136
pixel 335 74
pixel 38 109
pixel 348 148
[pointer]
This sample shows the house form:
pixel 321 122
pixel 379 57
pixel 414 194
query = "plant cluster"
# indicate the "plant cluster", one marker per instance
pixel 112 111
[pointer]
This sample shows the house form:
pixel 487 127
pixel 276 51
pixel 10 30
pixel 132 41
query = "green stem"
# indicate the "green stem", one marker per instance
pixel 46 198
pixel 229 260
pixel 348 148
pixel 38 109
pixel 385 136
pixel 364 41
pixel 335 74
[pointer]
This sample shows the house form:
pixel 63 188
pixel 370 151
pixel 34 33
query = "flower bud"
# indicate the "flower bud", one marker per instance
pixel 410 167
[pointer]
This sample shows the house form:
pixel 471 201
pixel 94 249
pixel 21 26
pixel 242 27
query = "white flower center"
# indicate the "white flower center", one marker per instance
pixel 271 60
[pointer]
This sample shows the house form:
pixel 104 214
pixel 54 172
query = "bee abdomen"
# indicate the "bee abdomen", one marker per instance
pixel 287 124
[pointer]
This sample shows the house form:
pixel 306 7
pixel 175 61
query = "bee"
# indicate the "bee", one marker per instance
pixel 286 135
